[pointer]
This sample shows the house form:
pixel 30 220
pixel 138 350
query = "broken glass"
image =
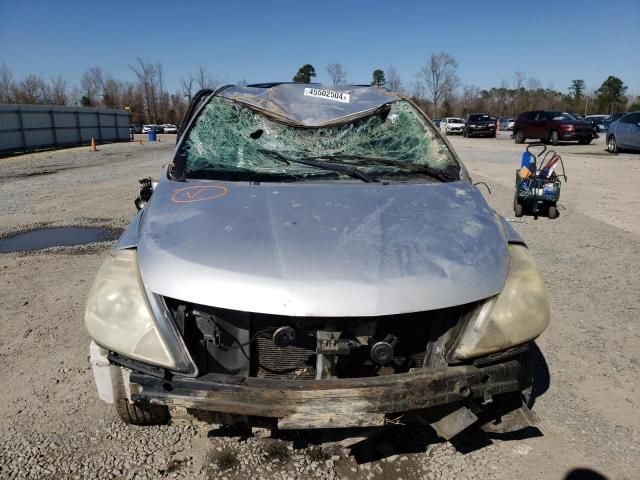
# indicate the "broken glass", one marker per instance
pixel 231 137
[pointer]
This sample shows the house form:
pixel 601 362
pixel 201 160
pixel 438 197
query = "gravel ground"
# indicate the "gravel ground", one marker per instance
pixel 53 426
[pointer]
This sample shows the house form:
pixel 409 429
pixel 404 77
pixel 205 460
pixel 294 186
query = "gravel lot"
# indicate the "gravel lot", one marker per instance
pixel 53 426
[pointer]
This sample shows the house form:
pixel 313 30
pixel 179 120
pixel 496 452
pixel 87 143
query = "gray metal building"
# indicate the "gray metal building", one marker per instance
pixel 25 128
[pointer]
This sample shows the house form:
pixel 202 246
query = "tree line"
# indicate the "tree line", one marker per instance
pixel 147 97
pixel 436 88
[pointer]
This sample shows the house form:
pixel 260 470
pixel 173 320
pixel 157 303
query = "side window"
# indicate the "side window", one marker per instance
pixel 529 115
pixel 632 118
pixel 542 117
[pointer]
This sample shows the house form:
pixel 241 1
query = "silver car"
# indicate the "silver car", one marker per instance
pixel 316 257
pixel 624 133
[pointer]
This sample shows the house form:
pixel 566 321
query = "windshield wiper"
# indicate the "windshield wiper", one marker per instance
pixel 336 167
pixel 361 160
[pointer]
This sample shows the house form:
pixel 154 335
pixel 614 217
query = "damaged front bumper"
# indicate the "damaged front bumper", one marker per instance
pixel 336 403
pixel 447 397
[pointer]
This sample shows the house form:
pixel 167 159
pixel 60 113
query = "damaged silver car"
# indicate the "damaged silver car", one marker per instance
pixel 316 258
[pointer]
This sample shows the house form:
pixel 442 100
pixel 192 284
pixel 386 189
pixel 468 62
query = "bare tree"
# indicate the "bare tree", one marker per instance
pixel 337 74
pixel 439 75
pixel 470 96
pixel 393 79
pixel 148 80
pixel 187 86
pixel 92 83
pixel 204 79
pixel 33 90
pixel 418 91
pixel 7 85
pixel 59 91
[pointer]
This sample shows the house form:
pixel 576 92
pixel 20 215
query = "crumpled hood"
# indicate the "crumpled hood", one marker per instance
pixel 322 249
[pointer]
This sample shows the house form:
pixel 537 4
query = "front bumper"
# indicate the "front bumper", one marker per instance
pixel 568 136
pixel 336 403
pixel 478 131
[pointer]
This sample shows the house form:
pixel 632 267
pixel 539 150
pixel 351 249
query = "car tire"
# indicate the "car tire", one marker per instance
pixel 518 208
pixel 553 212
pixel 612 144
pixel 554 137
pixel 519 136
pixel 142 414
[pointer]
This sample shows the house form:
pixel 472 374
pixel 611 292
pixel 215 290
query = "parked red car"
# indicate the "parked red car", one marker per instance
pixel 552 127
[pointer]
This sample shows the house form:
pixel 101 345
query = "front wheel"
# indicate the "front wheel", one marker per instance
pixel 554 137
pixel 612 145
pixel 139 413
pixel 519 137
pixel 553 212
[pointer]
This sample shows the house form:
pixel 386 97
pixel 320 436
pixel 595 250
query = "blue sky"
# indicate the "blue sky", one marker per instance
pixel 553 41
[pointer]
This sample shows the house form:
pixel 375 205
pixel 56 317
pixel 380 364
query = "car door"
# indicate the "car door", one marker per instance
pixel 541 125
pixel 629 131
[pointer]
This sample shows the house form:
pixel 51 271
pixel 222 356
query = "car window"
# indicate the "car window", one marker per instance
pixel 230 137
pixel 630 118
pixel 561 116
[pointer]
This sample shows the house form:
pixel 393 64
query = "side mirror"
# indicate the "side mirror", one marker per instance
pixel 147 185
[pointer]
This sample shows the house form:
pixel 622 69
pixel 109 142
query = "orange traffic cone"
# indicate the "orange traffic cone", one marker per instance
pixel 93 145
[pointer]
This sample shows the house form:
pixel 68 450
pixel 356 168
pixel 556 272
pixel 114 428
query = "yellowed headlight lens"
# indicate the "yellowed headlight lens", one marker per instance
pixel 118 315
pixel 520 313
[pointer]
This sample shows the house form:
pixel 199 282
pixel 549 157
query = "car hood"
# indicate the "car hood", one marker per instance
pixel 331 249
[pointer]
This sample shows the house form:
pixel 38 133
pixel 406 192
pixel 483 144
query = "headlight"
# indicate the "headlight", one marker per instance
pixel 517 315
pixel 119 317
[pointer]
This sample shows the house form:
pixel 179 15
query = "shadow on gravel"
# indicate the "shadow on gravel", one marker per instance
pixel 380 444
pixel 474 440
pixel 541 375
pixel 370 445
pixel 584 474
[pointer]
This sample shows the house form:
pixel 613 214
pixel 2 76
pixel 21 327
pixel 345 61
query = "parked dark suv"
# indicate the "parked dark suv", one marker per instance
pixel 480 125
pixel 551 127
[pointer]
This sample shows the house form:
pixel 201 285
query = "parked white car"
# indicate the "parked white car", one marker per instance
pixel 148 128
pixel 168 128
pixel 451 126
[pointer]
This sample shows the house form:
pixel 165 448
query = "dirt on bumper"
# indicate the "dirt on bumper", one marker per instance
pixel 338 403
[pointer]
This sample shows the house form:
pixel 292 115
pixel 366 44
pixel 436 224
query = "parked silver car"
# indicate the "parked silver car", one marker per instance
pixel 316 257
pixel 624 133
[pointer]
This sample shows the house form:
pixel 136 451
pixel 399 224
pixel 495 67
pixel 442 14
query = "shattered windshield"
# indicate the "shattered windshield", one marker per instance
pixel 230 139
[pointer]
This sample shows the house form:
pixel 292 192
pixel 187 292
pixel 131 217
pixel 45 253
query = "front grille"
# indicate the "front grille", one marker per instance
pixel 241 343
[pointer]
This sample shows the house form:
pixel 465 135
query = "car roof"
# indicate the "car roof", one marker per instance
pixel 310 104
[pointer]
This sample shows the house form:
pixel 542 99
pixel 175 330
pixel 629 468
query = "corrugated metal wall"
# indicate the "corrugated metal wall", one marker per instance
pixel 31 127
